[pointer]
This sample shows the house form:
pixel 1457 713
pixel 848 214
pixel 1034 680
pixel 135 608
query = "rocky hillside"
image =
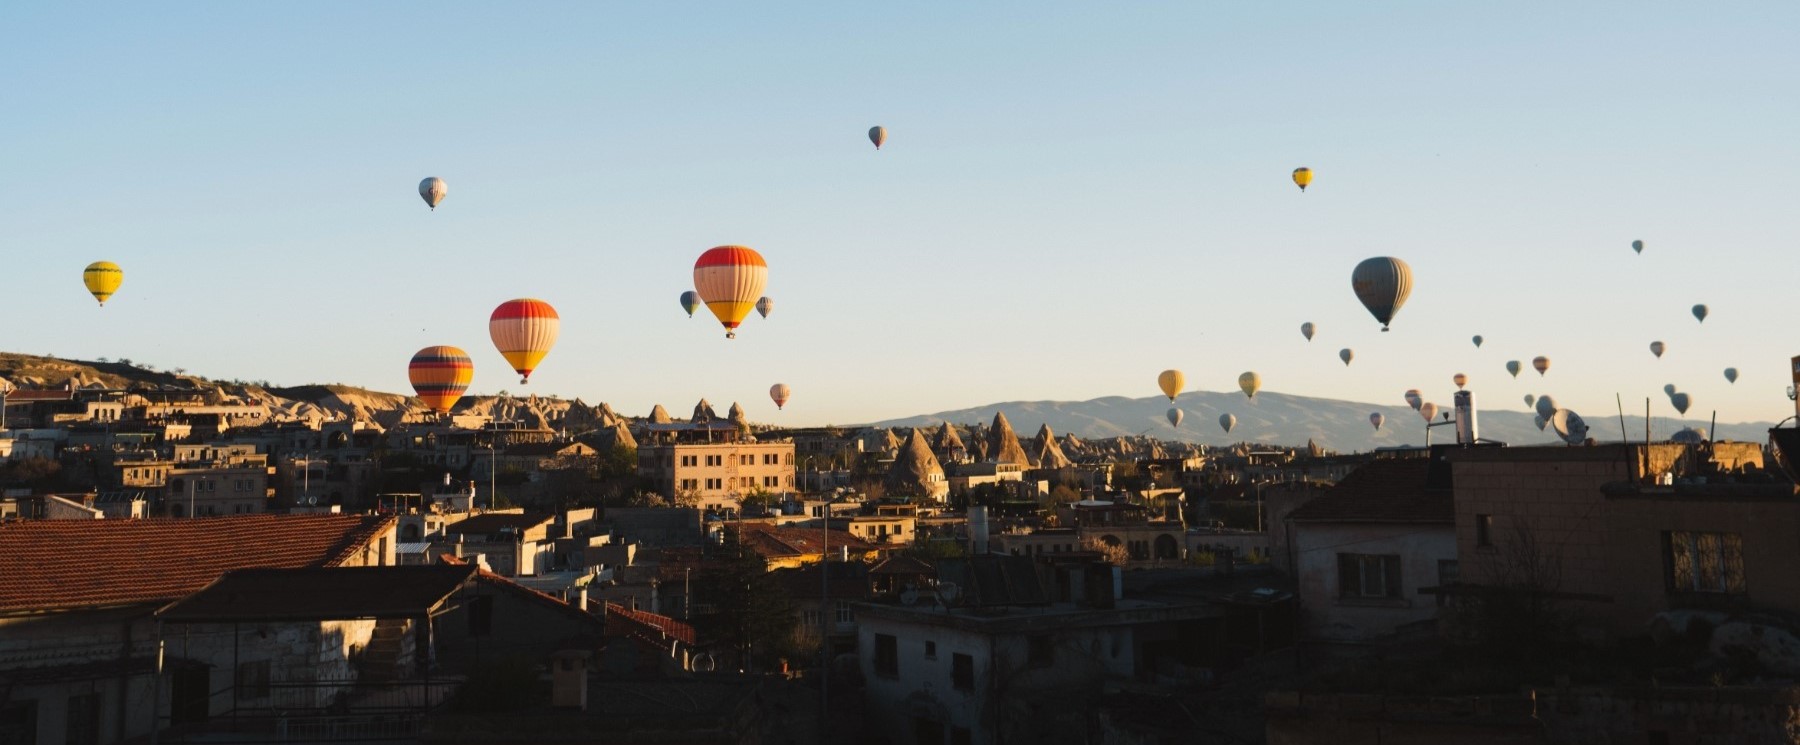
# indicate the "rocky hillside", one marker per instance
pixel 1283 419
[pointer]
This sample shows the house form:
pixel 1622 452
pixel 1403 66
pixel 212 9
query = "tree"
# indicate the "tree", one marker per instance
pixel 752 612
pixel 1114 554
pixel 758 500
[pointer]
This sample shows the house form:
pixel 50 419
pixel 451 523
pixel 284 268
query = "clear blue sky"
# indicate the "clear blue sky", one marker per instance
pixel 1073 197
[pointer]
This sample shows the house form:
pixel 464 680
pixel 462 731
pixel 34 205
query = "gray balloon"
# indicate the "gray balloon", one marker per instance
pixel 1546 406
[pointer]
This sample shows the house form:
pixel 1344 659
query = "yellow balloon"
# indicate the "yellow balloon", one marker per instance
pixel 1172 381
pixel 1302 177
pixel 1250 382
pixel 102 279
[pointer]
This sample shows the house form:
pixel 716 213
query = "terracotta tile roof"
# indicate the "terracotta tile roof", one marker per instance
pixel 541 598
pixel 49 565
pixel 904 566
pixel 779 542
pixel 645 626
pixel 1383 491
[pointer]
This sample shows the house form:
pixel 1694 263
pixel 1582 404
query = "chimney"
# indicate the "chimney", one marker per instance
pixel 1796 363
pixel 1466 432
pixel 978 530
pixel 581 600
pixel 631 602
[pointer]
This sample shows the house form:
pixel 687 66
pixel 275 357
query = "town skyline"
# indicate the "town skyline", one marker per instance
pixel 1041 225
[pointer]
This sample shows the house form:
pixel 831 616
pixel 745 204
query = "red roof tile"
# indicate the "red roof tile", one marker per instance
pixel 49 565
pixel 1382 491
pixel 623 621
pixel 777 542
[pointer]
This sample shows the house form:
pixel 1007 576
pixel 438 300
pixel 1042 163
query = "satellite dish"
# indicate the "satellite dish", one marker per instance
pixel 704 663
pixel 312 500
pixel 909 596
pixel 1569 426
pixel 949 592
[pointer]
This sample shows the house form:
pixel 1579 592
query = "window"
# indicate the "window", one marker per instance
pixel 1484 530
pixel 931 650
pixel 1368 576
pixel 1041 651
pixel 887 656
pixel 962 672
pixel 1704 562
pixel 83 720
pixel 844 614
pixel 746 460
pixel 809 619
pixel 253 679
pixel 481 615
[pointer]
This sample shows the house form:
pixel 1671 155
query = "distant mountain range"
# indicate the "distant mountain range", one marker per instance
pixel 1282 419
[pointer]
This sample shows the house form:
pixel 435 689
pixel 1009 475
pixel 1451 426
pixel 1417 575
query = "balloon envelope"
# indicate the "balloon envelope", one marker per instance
pixel 1306 330
pixel 764 306
pixel 1656 348
pixel 1669 390
pixel 1382 284
pixel 878 135
pixel 1428 412
pixel 1731 375
pixel 1346 355
pixel 1227 421
pixel 1171 382
pixel 1530 399
pixel 1377 419
pixel 1460 380
pixel 102 279
pixel 1546 406
pixel 1681 402
pixel 729 280
pixel 524 330
pixel 433 190
pixel 1700 312
pixel 1513 366
pixel 1477 341
pixel 1415 399
pixel 1175 416
pixel 1303 177
pixel 1539 420
pixel 689 301
pixel 1250 383
pixel 1637 246
pixel 780 393
pixel 1541 364
pixel 440 375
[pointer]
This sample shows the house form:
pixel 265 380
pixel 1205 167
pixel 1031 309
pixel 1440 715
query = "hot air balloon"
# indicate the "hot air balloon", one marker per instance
pixel 764 306
pixel 1540 421
pixel 1428 412
pixel 440 375
pixel 780 393
pixel 1546 406
pixel 524 330
pixel 1637 246
pixel 1377 419
pixel 1306 330
pixel 1250 383
pixel 1700 312
pixel 1513 367
pixel 730 279
pixel 433 190
pixel 1346 355
pixel 1382 284
pixel 1175 416
pixel 102 279
pixel 878 135
pixel 689 301
pixel 1227 421
pixel 1414 399
pixel 1530 399
pixel 1460 380
pixel 1541 364
pixel 1171 382
pixel 1656 348
pixel 1669 390
pixel 1681 402
pixel 1477 341
pixel 1302 177
pixel 1731 375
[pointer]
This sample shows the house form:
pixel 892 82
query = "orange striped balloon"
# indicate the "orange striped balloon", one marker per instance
pixel 524 330
pixel 730 279
pixel 440 375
